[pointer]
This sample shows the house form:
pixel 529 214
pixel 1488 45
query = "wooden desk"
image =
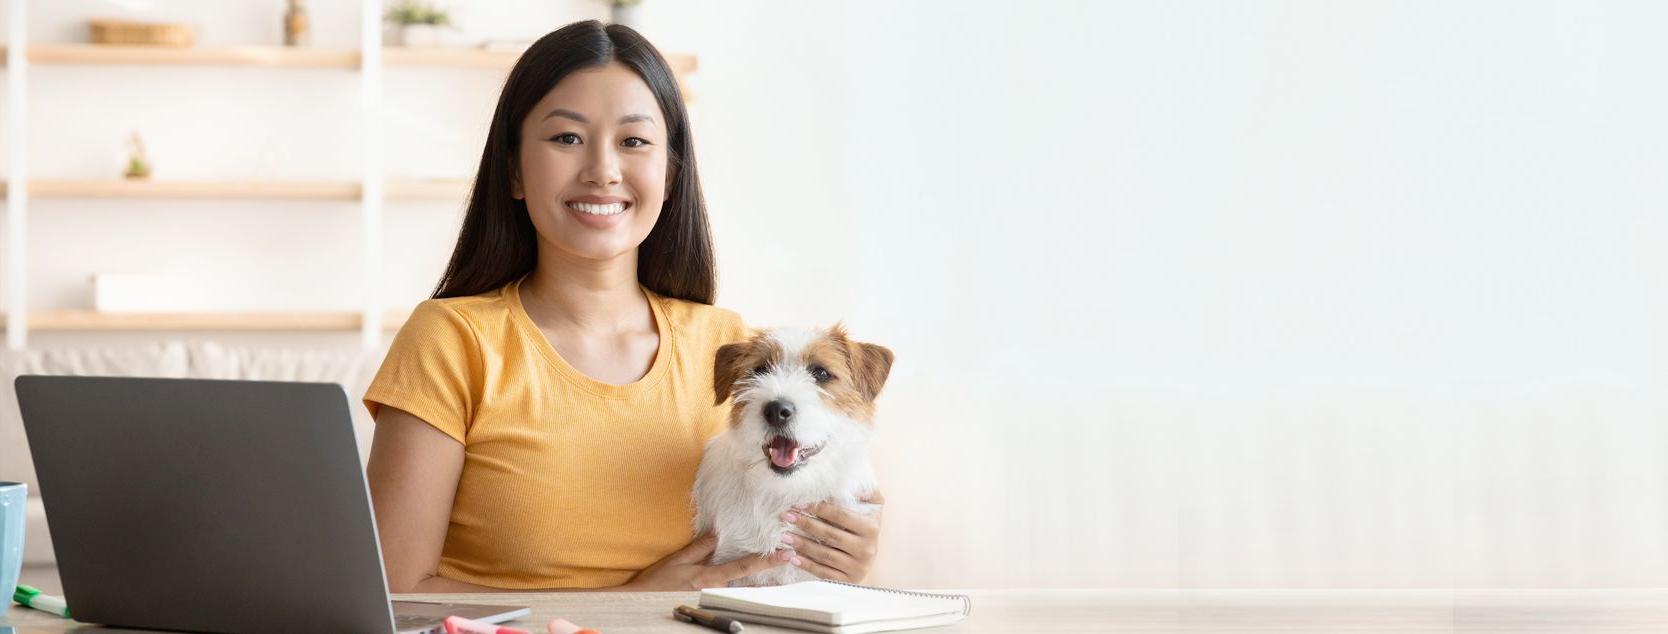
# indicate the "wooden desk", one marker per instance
pixel 1024 611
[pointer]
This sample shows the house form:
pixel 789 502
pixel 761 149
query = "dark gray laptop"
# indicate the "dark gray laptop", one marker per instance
pixel 213 506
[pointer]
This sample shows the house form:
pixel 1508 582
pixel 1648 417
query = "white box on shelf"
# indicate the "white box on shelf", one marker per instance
pixel 148 293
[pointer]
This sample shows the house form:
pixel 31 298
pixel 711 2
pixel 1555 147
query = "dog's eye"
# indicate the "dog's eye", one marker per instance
pixel 821 375
pixel 759 370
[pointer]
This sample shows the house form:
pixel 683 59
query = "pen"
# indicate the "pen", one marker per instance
pixel 702 617
pixel 32 597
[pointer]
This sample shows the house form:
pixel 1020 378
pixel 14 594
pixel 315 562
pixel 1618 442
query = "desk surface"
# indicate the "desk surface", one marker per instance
pixel 1009 611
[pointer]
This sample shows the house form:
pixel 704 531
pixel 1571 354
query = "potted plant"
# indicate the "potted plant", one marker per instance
pixel 138 167
pixel 417 23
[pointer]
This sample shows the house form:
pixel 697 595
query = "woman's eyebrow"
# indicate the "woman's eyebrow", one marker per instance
pixel 564 112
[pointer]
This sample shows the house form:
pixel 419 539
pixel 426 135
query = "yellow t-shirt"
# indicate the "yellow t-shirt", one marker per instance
pixel 567 481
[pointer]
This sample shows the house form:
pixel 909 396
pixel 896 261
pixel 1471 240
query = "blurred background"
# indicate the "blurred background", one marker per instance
pixel 1295 294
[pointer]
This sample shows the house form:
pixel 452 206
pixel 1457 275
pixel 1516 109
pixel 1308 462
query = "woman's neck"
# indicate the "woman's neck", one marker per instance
pixel 586 296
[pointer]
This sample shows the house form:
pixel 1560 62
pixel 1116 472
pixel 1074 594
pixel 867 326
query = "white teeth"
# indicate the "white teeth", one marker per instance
pixel 598 210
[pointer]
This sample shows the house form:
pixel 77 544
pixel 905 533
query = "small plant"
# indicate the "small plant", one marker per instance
pixel 408 12
pixel 138 167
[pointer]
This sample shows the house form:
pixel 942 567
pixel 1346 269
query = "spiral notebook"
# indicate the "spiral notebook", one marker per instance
pixel 837 607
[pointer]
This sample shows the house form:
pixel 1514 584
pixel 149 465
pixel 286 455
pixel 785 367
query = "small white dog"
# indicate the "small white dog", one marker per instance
pixel 799 432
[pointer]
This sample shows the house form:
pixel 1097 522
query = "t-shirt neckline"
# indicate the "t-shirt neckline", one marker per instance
pixel 512 296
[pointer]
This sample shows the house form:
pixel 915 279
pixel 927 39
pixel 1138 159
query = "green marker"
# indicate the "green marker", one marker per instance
pixel 44 602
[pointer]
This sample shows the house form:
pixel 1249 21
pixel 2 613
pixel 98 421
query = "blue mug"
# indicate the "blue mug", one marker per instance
pixel 12 497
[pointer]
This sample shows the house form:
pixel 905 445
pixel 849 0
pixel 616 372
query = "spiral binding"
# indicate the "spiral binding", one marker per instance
pixel 966 601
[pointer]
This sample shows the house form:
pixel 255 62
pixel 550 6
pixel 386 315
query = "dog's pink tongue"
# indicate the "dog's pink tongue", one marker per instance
pixel 784 452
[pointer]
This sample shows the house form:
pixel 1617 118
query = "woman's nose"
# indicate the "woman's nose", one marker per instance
pixel 604 168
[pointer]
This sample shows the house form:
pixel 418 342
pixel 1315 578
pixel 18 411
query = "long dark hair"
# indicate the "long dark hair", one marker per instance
pixel 498 243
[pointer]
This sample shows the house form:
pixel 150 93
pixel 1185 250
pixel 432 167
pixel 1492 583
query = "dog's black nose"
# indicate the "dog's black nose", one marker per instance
pixel 778 413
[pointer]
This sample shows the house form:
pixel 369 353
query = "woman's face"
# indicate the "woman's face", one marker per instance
pixel 594 144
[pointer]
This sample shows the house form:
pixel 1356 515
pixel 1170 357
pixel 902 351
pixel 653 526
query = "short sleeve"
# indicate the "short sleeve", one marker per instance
pixel 431 370
pixel 731 327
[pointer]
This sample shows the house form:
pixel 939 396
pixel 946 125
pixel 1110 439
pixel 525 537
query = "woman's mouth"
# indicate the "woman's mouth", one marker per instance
pixel 599 210
pixel 598 215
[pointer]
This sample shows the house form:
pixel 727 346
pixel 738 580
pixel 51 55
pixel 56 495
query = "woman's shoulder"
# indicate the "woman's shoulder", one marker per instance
pixel 466 314
pixel 702 321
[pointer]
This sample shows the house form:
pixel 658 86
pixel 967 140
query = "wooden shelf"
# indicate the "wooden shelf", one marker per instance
pixel 270 56
pixel 96 321
pixel 286 57
pixel 441 190
pixel 272 190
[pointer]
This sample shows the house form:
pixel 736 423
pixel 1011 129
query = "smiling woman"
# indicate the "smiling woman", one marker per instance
pixel 541 418
pixel 569 163
pixel 588 114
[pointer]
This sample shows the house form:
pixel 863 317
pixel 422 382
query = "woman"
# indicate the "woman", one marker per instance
pixel 541 418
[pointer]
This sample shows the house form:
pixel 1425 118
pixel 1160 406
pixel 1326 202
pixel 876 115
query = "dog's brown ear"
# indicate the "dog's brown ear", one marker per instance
pixel 870 364
pixel 837 333
pixel 726 369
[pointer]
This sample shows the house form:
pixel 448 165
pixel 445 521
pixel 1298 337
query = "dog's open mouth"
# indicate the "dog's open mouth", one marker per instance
pixel 786 454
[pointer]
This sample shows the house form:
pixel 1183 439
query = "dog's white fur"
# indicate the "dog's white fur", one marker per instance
pixel 738 495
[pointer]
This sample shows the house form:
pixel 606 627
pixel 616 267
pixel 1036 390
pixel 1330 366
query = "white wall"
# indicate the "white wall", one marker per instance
pixel 1224 293
pixel 1213 294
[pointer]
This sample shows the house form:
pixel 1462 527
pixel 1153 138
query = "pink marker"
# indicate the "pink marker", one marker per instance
pixel 460 625
pixel 564 626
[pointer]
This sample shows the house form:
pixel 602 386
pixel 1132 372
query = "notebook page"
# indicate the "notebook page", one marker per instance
pixel 850 628
pixel 827 603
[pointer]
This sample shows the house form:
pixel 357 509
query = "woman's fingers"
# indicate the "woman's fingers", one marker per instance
pixel 820 553
pixel 849 539
pixel 699 550
pixel 724 573
pixel 822 531
pixel 822 570
pixel 844 518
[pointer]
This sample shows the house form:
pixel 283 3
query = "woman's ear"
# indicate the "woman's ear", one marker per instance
pixel 515 183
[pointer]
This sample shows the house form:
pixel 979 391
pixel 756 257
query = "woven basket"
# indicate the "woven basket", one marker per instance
pixel 144 33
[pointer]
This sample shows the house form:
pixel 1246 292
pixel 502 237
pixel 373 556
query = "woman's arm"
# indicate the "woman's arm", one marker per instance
pixel 413 473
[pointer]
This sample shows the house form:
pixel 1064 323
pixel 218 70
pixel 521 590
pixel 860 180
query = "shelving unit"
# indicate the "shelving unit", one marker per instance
pixel 372 189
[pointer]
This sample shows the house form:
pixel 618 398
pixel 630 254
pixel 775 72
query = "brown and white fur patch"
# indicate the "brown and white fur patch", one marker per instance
pixel 798 434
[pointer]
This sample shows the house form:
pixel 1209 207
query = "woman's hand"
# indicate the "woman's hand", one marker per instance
pixel 833 542
pixel 687 569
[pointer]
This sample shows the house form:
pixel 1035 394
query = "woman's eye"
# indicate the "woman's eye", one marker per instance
pixel 558 138
pixel 821 375
pixel 643 142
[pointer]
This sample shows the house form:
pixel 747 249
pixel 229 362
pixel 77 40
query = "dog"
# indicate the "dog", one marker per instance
pixel 798 434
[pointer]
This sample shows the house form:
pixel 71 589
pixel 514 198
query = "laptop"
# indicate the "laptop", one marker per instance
pixel 214 506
